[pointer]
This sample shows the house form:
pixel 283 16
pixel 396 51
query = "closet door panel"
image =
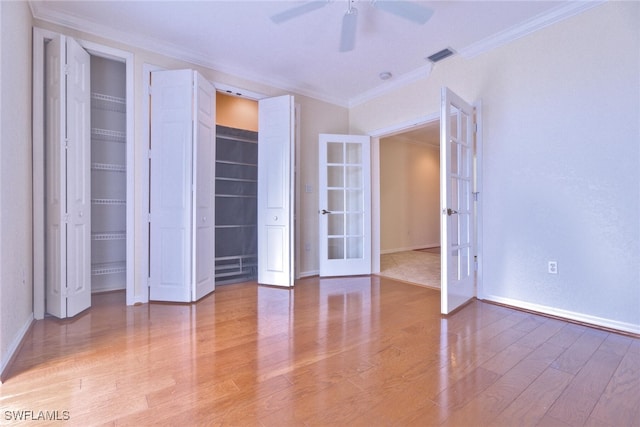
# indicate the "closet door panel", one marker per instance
pixel 204 203
pixel 78 178
pixel 171 168
pixel 55 185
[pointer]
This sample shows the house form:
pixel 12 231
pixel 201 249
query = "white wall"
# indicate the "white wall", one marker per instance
pixel 15 177
pixel 561 171
pixel 409 195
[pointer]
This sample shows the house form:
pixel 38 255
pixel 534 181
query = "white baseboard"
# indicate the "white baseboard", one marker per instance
pixel 578 317
pixel 15 345
pixel 311 273
pixel 409 248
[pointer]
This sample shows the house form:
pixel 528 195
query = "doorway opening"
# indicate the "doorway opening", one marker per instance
pixel 410 205
pixel 110 108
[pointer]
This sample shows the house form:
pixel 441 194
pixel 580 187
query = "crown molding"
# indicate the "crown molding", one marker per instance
pixel 532 25
pixel 42 12
pixel 174 51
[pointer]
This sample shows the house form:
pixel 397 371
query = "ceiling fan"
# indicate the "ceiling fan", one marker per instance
pixel 405 9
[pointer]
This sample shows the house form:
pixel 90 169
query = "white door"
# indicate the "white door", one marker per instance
pixel 345 205
pixel 276 127
pixel 171 186
pixel 457 137
pixel 182 216
pixel 68 187
pixel 204 203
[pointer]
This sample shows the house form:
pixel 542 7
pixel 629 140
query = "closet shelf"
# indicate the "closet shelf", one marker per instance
pixel 237 196
pixel 235 138
pixel 101 101
pixel 237 226
pixel 219 178
pixel 108 202
pixel 229 162
pixel 108 135
pixel 108 268
pixel 108 167
pixel 113 235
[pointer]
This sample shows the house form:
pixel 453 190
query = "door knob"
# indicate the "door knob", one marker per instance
pixel 451 211
pixel 324 212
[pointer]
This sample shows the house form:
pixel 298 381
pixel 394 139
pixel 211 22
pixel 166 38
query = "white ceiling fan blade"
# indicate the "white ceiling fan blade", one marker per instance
pixel 298 10
pixel 405 9
pixel 348 35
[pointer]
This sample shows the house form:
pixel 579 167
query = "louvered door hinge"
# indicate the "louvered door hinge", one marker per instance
pixel 475 195
pixel 66 218
pixel 66 69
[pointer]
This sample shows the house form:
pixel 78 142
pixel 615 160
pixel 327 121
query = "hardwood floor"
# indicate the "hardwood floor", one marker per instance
pixel 345 351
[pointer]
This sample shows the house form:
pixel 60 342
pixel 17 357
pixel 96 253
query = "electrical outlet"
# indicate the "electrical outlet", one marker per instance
pixel 552 267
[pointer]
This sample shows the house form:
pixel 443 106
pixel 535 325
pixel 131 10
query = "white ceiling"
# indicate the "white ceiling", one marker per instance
pixel 301 55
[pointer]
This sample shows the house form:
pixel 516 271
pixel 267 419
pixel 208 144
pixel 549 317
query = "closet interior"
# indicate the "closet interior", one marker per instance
pixel 108 175
pixel 236 205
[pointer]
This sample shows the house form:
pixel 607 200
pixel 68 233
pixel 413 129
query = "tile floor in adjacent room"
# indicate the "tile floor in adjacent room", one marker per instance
pixel 421 267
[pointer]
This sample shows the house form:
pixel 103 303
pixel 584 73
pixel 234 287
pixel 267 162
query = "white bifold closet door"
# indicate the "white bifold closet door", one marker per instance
pixel 182 160
pixel 276 154
pixel 68 178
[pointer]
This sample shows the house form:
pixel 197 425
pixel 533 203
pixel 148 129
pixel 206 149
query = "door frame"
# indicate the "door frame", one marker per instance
pixel 405 126
pixel 40 36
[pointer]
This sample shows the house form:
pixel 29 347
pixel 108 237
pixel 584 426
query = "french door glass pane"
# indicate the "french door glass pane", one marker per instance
pixel 354 248
pixel 336 248
pixel 354 153
pixel 334 152
pixel 336 224
pixel 355 226
pixel 354 176
pixel 335 200
pixel 335 176
pixel 355 200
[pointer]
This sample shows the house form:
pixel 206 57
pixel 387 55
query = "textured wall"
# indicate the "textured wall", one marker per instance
pixel 15 176
pixel 561 161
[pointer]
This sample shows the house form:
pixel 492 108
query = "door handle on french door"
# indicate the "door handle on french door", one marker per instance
pixel 450 211
pixel 324 212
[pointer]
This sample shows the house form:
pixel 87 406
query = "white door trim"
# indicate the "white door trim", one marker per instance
pixel 39 37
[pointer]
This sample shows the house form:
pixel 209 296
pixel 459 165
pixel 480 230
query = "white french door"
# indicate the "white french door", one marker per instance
pixel 457 138
pixel 181 254
pixel 276 154
pixel 345 205
pixel 68 187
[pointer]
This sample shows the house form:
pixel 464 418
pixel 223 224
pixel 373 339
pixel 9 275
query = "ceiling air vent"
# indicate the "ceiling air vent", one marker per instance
pixel 439 56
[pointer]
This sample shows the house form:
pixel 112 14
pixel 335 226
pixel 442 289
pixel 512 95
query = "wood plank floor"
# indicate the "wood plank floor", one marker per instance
pixel 358 351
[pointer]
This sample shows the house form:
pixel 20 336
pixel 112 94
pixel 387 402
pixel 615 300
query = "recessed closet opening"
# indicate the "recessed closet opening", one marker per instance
pixel 83 234
pixel 108 175
pixel 236 189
